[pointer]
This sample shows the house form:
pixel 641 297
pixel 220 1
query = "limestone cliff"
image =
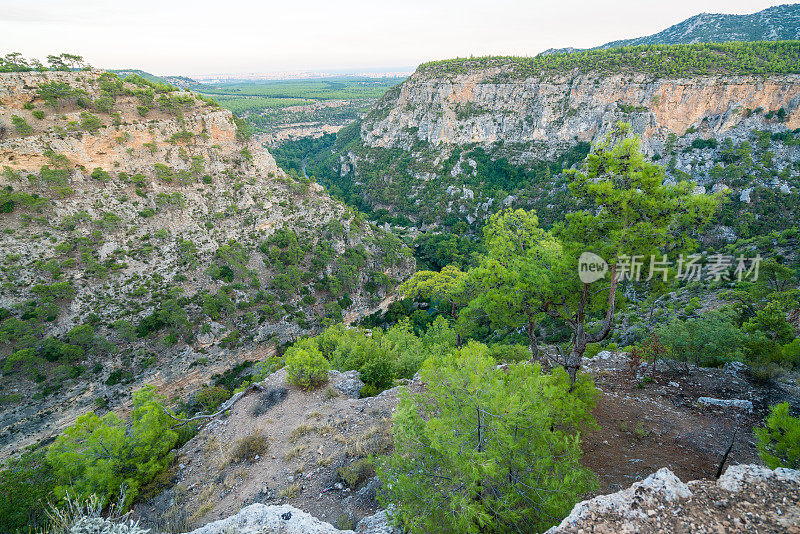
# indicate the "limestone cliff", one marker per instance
pixel 553 112
pixel 489 132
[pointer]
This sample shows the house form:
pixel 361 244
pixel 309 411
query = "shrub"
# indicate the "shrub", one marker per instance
pixel 357 472
pixel 306 367
pixel 26 484
pixel 709 340
pixel 100 174
pixel 90 122
pixel 38 114
pixel 21 125
pixel 211 398
pixel 592 350
pixel 485 449
pixel 779 440
pixel 249 447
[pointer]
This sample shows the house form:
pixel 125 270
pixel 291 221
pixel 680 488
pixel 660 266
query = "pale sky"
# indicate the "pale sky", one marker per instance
pixel 239 36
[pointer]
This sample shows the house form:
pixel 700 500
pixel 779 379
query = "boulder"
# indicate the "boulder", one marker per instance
pixel 263 519
pixel 347 383
pixel 735 404
pixel 629 503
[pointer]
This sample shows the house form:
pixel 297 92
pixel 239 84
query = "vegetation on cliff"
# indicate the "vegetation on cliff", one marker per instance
pixel 761 58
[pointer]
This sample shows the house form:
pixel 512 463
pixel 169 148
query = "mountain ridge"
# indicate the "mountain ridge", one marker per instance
pixel 776 23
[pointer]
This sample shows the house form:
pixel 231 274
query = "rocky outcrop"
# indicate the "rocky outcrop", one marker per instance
pixel 262 519
pixel 284 519
pixel 461 139
pixel 746 497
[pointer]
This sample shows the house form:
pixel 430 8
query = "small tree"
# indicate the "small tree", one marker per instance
pixel 306 367
pixel 779 440
pixel 513 279
pixel 486 449
pixel 447 288
pixel 627 211
pixel 99 455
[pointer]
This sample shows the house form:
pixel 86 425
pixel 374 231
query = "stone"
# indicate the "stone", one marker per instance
pixel 737 404
pixel 663 485
pixel 744 196
pixel 260 518
pixel 347 383
pixel 737 476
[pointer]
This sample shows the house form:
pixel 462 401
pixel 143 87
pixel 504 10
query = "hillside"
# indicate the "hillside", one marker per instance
pixel 461 138
pixel 777 23
pixel 147 239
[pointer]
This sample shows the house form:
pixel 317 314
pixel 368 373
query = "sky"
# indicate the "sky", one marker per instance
pixel 237 36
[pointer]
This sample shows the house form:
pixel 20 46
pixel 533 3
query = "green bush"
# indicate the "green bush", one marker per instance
pixel 779 440
pixel 101 175
pixel 306 367
pixel 211 398
pixel 98 455
pixel 509 353
pixel 26 486
pixel 486 449
pixel 21 125
pixel 90 122
pixel 592 350
pixel 708 341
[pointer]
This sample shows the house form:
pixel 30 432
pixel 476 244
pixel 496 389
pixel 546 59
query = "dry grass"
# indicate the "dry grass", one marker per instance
pixel 249 447
pixel 357 472
pixel 290 491
pixel 300 431
pixel 376 439
pixel 330 393
pixel 205 502
pixel 324 461
pixel 294 452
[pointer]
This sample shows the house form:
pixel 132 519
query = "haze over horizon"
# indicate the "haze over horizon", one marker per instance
pixel 204 38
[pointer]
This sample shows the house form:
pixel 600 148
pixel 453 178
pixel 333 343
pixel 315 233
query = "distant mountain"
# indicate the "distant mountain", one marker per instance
pixel 777 23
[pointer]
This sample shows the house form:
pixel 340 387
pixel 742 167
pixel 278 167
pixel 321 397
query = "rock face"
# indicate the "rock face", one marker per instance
pixel 461 139
pixel 746 497
pixel 555 111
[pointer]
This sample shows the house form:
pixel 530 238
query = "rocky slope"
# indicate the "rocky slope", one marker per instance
pixel 776 23
pixel 315 446
pixel 467 136
pixel 144 237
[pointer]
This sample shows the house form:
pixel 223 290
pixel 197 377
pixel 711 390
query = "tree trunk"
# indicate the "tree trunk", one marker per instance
pixel 532 341
pixel 580 337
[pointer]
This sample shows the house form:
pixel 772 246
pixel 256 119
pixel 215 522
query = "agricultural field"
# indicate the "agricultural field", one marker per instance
pixel 278 110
